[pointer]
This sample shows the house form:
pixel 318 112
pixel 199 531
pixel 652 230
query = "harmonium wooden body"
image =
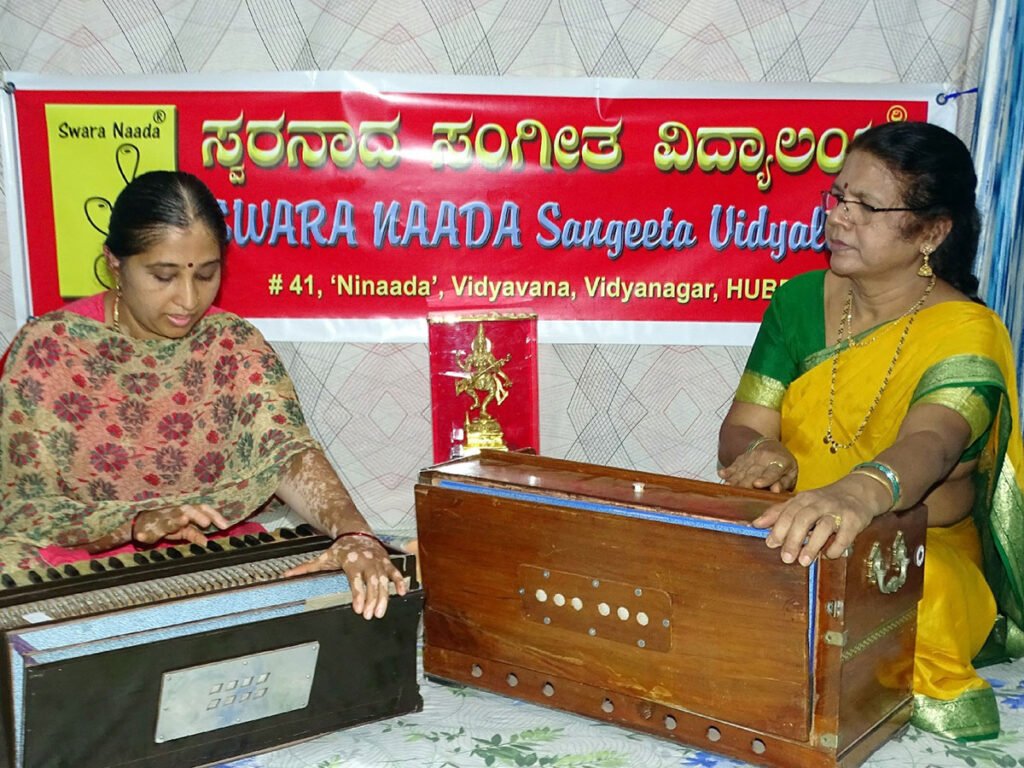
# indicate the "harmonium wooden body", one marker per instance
pixel 651 602
pixel 190 655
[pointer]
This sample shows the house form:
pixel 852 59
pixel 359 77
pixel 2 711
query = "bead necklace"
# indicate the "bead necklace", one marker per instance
pixel 846 331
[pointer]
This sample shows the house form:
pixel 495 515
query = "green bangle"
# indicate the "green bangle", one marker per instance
pixel 888 473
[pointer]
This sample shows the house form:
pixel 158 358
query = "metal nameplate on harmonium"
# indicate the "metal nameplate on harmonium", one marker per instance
pixel 650 602
pixel 190 655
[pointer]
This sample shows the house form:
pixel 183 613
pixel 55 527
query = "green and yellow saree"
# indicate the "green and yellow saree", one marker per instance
pixel 957 354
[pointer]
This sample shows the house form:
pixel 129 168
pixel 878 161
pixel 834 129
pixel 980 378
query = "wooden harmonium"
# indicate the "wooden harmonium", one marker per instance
pixel 190 655
pixel 650 602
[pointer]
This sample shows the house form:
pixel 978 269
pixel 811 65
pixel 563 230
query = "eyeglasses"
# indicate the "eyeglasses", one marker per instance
pixel 860 213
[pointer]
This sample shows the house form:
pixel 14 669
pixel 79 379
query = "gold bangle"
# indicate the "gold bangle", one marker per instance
pixel 878 479
pixel 756 442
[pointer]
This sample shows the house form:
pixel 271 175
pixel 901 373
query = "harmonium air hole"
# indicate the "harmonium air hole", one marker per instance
pixel 758 747
pixel 512 680
pixel 476 670
pixel 670 723
pixel 548 690
pixel 608 706
pixel 714 734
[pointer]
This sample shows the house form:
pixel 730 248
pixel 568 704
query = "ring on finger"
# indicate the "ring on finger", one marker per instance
pixel 776 463
pixel 837 521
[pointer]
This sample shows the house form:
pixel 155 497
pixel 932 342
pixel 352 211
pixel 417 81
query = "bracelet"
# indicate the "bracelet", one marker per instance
pixel 757 441
pixel 876 478
pixel 364 534
pixel 888 473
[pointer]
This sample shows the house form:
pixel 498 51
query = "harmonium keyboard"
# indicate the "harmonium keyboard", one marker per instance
pixel 189 655
pixel 651 602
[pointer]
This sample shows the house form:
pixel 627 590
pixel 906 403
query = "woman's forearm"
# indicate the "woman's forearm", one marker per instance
pixel 311 487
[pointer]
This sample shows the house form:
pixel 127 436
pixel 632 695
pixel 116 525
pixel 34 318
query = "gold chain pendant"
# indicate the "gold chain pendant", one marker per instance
pixel 846 332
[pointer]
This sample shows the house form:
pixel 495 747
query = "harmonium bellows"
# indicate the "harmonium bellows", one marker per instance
pixel 651 602
pixel 190 655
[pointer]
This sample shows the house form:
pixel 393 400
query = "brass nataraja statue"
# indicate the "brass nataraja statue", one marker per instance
pixel 484 374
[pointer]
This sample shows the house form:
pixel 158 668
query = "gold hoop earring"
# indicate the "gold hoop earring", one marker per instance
pixel 925 270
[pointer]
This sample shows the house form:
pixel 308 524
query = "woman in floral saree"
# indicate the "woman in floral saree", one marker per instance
pixel 145 414
pixel 881 383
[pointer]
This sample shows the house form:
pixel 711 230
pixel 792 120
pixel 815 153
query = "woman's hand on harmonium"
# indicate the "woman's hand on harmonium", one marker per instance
pixel 369 569
pixel 767 466
pixel 804 524
pixel 184 523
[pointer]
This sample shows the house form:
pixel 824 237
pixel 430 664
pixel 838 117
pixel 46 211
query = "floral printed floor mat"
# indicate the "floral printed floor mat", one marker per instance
pixel 466 728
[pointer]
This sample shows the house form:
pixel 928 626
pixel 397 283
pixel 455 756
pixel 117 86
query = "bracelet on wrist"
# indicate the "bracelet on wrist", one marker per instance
pixel 756 442
pixel 884 474
pixel 363 534
pixel 877 479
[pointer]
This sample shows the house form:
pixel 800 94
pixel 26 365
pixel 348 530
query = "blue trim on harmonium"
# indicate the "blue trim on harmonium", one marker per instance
pixel 612 509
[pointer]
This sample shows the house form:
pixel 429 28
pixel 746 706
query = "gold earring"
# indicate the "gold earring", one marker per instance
pixel 925 270
pixel 117 309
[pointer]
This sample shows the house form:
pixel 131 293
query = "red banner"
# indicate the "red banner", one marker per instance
pixel 362 204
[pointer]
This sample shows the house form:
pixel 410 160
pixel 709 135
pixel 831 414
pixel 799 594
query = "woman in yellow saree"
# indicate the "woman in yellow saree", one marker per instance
pixel 881 383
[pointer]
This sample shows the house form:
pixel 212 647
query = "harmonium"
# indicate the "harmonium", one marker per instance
pixel 190 655
pixel 651 602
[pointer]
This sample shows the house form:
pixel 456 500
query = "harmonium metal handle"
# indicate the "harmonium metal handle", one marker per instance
pixel 878 568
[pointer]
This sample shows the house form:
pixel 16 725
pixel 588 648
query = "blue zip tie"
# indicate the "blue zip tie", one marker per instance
pixel 942 98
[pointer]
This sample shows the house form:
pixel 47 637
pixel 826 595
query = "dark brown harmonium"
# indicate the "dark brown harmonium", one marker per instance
pixel 191 655
pixel 650 602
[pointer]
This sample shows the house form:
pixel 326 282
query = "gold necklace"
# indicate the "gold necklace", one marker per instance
pixel 845 331
pixel 848 318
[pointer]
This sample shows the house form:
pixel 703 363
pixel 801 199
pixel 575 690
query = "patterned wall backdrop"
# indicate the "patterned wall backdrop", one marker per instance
pixel 650 407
